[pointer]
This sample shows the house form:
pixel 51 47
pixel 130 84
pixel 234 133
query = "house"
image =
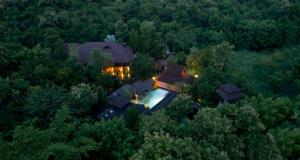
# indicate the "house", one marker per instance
pixel 173 78
pixel 229 93
pixel 121 55
pixel 142 87
pixel 118 102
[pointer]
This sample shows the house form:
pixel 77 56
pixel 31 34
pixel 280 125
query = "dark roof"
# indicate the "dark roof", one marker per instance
pixel 125 91
pixel 230 92
pixel 230 88
pixel 108 114
pixel 140 87
pixel 120 53
pixel 118 101
pixel 175 74
pixel 160 64
pixel 174 69
pixel 121 97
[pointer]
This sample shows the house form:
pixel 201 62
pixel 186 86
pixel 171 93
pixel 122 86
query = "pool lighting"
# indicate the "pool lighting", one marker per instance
pixel 152 98
pixel 136 96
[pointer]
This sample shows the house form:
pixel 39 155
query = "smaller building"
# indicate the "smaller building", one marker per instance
pixel 173 78
pixel 229 93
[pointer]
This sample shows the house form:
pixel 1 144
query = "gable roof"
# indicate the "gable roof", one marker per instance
pixel 230 92
pixel 174 69
pixel 125 91
pixel 230 88
pixel 175 73
pixel 140 87
pixel 120 53
pixel 160 64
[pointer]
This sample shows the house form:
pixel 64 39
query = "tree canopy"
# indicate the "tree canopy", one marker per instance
pixel 49 100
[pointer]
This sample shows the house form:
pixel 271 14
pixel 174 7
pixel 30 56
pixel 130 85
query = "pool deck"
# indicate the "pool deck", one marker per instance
pixel 163 103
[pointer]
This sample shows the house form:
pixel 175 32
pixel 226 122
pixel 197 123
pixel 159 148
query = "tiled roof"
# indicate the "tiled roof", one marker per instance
pixel 230 92
pixel 140 87
pixel 175 69
pixel 174 74
pixel 120 53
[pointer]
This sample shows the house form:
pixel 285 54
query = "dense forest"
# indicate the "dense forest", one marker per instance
pixel 48 99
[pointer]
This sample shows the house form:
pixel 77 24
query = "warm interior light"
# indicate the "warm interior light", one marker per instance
pixel 120 71
pixel 153 78
pixel 196 75
pixel 199 99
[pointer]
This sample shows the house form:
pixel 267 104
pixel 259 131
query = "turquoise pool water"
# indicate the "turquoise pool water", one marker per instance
pixel 153 98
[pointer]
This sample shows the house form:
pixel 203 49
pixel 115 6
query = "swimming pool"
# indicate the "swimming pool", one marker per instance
pixel 152 98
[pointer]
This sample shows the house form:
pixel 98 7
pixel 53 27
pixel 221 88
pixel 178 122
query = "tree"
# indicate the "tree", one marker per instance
pixel 251 34
pixel 97 61
pixel 287 141
pixel 142 66
pixel 247 120
pixel 273 111
pixel 28 142
pixel 44 102
pixel 61 151
pixel 5 89
pixel 133 118
pixel 204 88
pixel 157 122
pixel 82 99
pixel 121 31
pixel 151 40
pixel 114 140
pixel 215 60
pixel 70 73
pixel 210 125
pixel 62 125
pixel 101 95
pixel 219 56
pixel 182 39
pixel 194 62
pixel 180 107
pixel 134 40
pixel 160 145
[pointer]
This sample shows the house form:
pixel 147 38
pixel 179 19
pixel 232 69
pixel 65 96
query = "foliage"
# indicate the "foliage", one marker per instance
pixel 273 111
pixel 44 103
pixel 47 99
pixel 82 98
pixel 133 117
pixel 142 66
pixel 161 146
pixel 180 107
